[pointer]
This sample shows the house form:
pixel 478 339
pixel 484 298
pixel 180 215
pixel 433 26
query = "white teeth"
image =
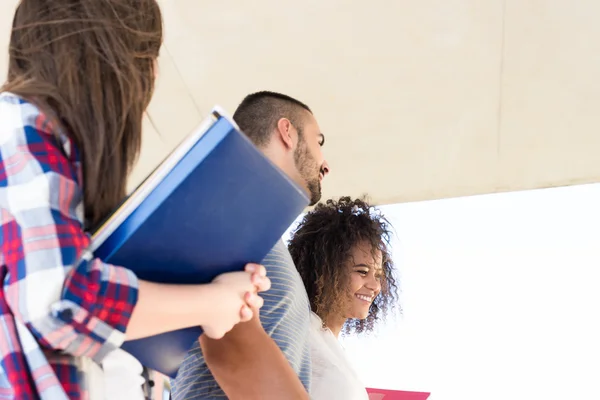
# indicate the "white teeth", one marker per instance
pixel 364 298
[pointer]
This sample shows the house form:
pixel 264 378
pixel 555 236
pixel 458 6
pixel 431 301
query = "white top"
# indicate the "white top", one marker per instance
pixel 119 377
pixel 333 377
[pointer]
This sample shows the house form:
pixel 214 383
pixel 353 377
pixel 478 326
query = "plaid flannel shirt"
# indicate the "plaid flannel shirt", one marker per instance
pixel 60 309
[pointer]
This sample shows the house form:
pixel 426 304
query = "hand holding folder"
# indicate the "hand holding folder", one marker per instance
pixel 215 204
pixel 233 291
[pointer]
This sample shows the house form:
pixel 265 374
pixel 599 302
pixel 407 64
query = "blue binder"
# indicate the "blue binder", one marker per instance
pixel 213 205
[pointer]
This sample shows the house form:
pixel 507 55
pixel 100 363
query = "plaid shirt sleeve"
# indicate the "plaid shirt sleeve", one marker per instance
pixel 69 300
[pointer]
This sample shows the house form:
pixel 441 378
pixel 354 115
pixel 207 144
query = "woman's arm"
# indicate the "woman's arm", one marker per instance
pixel 217 306
pixel 67 299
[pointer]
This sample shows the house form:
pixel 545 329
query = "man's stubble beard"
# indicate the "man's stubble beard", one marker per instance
pixel 309 171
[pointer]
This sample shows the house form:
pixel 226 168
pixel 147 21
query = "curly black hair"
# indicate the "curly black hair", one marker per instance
pixel 321 246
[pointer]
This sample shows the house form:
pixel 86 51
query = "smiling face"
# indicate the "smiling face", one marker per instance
pixel 341 251
pixel 364 283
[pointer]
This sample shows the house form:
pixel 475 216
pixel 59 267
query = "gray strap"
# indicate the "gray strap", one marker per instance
pixel 149 384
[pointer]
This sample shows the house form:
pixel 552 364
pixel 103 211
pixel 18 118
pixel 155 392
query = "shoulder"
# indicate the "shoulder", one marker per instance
pixel 17 112
pixel 23 122
pixel 280 266
pixel 283 274
pixel 36 160
pixel 286 303
pixel 280 253
pixel 316 322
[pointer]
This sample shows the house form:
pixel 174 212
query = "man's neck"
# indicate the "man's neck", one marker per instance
pixel 274 155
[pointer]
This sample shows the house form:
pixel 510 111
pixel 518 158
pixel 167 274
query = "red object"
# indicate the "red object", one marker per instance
pixel 382 394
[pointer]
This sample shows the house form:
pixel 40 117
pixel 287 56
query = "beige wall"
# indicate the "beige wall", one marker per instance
pixel 419 99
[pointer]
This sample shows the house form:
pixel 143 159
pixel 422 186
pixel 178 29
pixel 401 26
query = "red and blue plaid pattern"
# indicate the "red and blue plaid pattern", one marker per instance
pixel 58 305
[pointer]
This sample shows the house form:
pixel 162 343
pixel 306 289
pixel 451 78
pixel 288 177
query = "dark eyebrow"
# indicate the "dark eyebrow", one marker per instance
pixel 377 270
pixel 322 141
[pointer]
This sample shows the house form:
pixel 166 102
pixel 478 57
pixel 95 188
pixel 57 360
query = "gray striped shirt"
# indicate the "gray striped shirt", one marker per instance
pixel 286 318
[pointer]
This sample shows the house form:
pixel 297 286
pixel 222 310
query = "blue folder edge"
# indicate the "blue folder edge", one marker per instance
pixel 219 129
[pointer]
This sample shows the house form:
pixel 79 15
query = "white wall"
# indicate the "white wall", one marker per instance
pixel 419 99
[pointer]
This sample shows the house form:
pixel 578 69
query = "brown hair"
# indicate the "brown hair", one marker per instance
pixel 321 247
pixel 91 63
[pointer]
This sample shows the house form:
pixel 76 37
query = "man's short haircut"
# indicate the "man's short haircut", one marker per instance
pixel 258 114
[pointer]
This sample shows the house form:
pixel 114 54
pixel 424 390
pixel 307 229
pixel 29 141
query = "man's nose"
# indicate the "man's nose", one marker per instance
pixel 325 168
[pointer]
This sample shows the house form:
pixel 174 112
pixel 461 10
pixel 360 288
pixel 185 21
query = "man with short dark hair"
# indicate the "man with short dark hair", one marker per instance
pixel 268 357
pixel 260 114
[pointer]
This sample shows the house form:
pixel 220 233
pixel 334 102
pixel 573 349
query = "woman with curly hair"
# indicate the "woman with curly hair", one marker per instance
pixel 342 252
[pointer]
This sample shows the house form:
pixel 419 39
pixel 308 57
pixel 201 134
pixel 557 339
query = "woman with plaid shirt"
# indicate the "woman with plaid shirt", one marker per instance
pixel 81 74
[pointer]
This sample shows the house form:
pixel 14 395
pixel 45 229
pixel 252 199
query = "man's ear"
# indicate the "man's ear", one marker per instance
pixel 286 132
